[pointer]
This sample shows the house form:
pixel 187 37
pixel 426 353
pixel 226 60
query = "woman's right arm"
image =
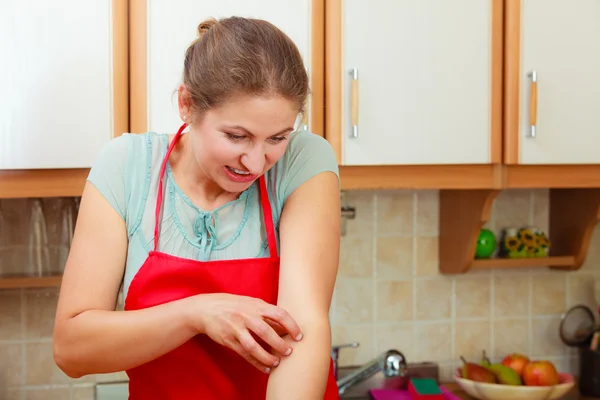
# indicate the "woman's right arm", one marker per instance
pixel 90 337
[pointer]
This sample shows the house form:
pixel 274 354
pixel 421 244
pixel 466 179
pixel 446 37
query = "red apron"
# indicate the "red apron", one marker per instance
pixel 201 368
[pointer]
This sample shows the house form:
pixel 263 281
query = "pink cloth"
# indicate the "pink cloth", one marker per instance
pixel 391 394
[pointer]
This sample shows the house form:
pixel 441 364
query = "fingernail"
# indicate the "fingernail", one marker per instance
pixel 276 363
pixel 299 337
pixel 288 352
pixel 267 370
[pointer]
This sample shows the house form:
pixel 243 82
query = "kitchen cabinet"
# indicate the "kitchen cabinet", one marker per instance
pixel 414 92
pixel 161 31
pixel 553 59
pixel 64 86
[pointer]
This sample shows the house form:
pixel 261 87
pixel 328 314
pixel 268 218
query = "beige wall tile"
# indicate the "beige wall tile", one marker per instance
pixel 511 296
pixel 510 335
pixel 428 213
pixel 549 294
pixel 471 338
pixel 473 297
pixel 40 310
pixel 362 224
pixel 356 257
pixel 512 209
pixel 395 337
pixel 395 213
pixel 10 315
pixel 427 261
pixel 82 393
pixel 394 301
pixel 394 257
pixel 434 299
pixel 545 338
pixel 434 341
pixel 541 210
pixel 11 373
pixel 354 301
pixel 47 394
pixel 581 290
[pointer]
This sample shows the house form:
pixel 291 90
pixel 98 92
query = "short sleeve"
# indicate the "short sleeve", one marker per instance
pixel 307 155
pixel 108 173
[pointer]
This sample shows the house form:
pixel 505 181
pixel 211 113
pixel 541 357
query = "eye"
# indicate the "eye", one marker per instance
pixel 233 137
pixel 277 139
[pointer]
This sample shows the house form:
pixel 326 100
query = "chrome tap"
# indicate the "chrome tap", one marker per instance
pixel 392 363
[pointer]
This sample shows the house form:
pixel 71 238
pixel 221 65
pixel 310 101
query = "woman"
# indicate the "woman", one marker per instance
pixel 225 237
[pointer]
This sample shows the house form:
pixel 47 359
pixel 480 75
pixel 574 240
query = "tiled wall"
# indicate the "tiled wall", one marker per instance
pixel 389 295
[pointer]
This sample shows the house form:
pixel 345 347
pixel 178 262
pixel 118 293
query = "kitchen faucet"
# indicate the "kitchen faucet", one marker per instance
pixel 391 363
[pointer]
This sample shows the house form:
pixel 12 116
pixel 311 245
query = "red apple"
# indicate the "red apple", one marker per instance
pixel 516 361
pixel 540 373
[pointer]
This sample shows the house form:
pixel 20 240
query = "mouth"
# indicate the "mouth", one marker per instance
pixel 239 175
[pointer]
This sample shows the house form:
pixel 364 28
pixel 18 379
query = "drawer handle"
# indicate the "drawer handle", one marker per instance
pixel 354 102
pixel 533 103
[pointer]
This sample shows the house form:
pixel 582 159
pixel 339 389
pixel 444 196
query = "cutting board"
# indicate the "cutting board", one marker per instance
pixel 391 394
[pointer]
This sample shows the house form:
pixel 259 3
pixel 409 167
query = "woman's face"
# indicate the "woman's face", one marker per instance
pixel 239 141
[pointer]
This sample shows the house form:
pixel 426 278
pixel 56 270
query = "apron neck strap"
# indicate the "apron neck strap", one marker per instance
pixel 264 199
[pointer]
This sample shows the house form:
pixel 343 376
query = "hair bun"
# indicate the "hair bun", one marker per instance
pixel 205 26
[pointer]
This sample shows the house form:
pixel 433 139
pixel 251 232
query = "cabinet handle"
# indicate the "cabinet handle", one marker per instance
pixel 533 103
pixel 354 102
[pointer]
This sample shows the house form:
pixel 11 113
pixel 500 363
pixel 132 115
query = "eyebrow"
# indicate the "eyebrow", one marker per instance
pixel 246 131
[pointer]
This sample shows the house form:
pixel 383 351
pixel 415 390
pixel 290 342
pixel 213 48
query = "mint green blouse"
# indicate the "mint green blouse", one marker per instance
pixel 126 172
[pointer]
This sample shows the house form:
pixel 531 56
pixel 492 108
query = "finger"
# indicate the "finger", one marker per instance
pixel 256 350
pixel 282 317
pixel 238 348
pixel 268 334
pixel 280 330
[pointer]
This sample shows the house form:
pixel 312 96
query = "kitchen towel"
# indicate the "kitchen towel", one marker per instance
pixel 391 394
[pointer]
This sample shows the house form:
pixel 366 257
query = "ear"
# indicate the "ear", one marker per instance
pixel 184 102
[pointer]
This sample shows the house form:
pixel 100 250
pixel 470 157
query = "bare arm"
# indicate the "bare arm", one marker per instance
pixel 310 240
pixel 89 336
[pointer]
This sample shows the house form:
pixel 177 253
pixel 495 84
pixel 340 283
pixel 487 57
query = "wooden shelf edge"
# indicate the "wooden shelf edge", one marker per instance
pixel 462 214
pixel 42 183
pixel 559 261
pixel 487 176
pixel 574 213
pixel 19 282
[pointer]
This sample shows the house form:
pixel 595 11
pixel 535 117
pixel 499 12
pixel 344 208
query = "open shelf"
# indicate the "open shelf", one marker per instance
pixel 573 215
pixel 17 282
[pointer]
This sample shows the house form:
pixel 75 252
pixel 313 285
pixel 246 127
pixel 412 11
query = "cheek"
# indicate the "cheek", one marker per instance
pixel 274 153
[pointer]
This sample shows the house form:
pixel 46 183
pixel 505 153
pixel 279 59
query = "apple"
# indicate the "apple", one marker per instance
pixel 516 361
pixel 540 373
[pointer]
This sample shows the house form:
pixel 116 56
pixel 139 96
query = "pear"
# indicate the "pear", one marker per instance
pixel 506 375
pixel 477 372
pixel 485 362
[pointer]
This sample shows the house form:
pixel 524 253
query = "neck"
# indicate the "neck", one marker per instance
pixel 193 180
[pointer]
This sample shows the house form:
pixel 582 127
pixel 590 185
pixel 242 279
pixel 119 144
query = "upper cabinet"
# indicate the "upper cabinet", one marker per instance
pixel 64 81
pixel 414 82
pixel 553 82
pixel 161 31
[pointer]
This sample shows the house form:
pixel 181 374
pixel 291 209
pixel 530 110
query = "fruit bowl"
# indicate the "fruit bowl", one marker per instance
pixel 496 391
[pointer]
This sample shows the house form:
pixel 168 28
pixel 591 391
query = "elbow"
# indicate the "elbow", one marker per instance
pixel 63 355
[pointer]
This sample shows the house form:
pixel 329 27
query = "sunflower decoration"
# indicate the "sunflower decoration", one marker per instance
pixel 512 244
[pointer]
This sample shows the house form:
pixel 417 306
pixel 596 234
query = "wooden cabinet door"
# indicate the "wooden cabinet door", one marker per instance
pixel 414 82
pixel 559 42
pixel 63 81
pixel 163 29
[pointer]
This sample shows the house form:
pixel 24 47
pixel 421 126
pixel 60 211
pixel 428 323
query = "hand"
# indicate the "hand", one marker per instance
pixel 232 320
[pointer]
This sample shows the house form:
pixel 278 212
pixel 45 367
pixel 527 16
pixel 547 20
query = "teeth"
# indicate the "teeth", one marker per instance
pixel 237 171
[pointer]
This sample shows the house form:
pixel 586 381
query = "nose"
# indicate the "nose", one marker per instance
pixel 254 160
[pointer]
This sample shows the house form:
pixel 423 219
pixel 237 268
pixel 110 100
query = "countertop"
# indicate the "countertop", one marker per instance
pixel 456 390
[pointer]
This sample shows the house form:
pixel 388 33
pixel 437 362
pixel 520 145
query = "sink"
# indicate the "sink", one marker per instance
pixel 379 381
